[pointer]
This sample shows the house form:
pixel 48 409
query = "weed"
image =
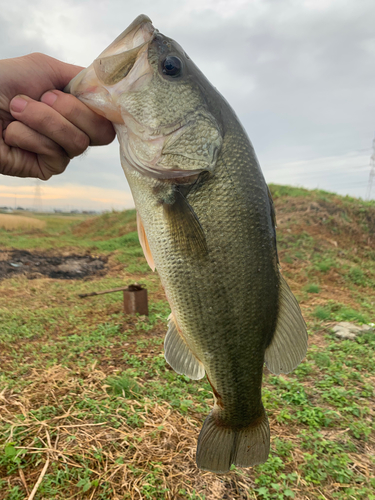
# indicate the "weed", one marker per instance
pixel 324 265
pixel 322 359
pixel 357 276
pixel 322 313
pixel 313 289
pixel 124 386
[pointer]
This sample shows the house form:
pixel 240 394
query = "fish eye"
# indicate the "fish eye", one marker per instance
pixel 172 66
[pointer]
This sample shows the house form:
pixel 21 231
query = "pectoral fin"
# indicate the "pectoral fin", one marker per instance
pixel 289 344
pixel 179 355
pixel 144 243
pixel 185 227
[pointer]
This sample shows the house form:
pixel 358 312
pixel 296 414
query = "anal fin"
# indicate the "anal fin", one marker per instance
pixel 289 344
pixel 144 243
pixel 178 354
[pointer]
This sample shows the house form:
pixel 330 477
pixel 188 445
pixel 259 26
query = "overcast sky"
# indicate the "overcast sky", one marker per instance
pixel 300 75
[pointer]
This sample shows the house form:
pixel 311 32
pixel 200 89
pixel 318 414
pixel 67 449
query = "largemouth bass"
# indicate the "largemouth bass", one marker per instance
pixel 206 222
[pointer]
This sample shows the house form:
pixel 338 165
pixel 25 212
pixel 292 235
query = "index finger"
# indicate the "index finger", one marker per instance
pixel 98 128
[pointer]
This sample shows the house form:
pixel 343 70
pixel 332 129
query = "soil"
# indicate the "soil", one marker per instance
pixel 35 265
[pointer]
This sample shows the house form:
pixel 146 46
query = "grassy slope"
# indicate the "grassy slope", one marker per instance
pixel 87 390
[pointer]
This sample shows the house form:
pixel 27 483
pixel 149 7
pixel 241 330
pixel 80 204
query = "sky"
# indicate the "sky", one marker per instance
pixel 300 74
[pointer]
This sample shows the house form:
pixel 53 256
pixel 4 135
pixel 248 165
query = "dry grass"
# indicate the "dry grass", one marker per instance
pixel 11 222
pixel 159 451
pixel 163 444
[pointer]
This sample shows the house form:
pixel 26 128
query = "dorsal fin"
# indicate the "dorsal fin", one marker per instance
pixel 144 243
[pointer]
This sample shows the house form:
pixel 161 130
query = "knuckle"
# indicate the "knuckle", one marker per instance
pixel 46 122
pixel 36 55
pixel 6 165
pixel 7 134
pixel 80 143
pixel 71 107
pixel 104 134
pixel 14 132
pixel 54 166
pixel 44 174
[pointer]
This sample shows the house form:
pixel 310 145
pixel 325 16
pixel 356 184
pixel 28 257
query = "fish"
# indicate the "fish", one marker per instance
pixel 206 223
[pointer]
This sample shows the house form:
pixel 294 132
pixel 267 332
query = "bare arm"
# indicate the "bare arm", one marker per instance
pixel 41 128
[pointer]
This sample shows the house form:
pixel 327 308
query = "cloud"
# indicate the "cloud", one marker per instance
pixel 299 73
pixel 310 73
pixel 333 173
pixel 15 36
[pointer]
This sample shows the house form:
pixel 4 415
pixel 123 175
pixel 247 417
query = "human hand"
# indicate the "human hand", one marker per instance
pixel 41 128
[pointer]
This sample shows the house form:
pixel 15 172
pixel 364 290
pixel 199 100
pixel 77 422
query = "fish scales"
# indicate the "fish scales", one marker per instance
pixel 204 294
pixel 206 222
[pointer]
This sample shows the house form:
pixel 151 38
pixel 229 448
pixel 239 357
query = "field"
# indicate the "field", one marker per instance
pixel 90 410
pixel 9 221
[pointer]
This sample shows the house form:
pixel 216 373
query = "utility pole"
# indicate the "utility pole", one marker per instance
pixel 371 179
pixel 37 205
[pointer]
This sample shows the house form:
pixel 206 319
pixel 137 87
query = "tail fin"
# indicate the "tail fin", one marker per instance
pixel 219 447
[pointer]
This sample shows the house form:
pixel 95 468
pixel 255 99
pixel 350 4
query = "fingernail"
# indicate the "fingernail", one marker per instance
pixel 49 98
pixel 18 104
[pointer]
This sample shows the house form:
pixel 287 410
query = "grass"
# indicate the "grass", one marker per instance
pixel 86 392
pixel 9 222
pixel 313 288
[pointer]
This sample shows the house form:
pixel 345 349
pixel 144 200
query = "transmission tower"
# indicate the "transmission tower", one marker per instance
pixel 371 179
pixel 37 204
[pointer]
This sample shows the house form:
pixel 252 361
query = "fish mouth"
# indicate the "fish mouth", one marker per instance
pixel 117 60
pixel 97 85
pixel 136 34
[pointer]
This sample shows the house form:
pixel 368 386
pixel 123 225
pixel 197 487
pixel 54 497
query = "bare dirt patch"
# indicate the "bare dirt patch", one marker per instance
pixel 35 265
pixel 334 222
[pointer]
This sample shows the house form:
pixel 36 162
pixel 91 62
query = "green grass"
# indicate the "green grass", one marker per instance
pixel 88 388
pixel 339 312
